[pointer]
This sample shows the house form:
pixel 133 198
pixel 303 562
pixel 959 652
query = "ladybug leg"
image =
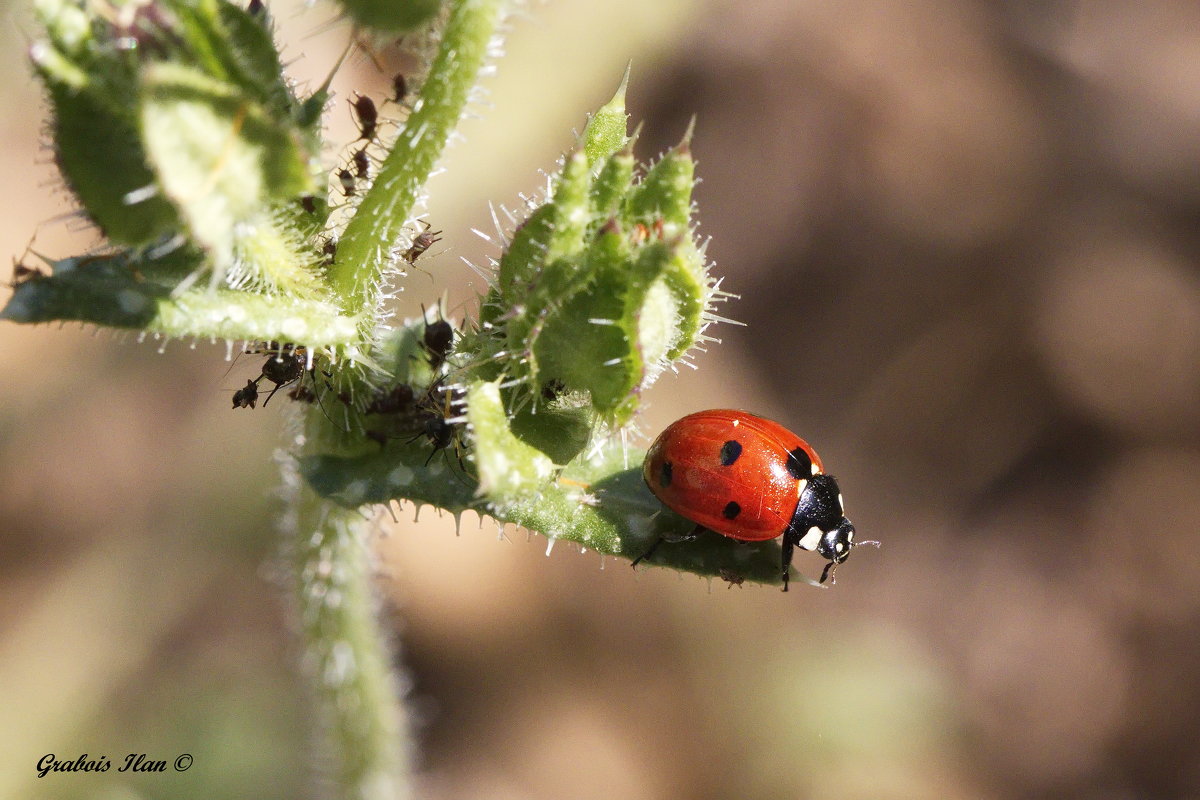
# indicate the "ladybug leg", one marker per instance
pixel 788 546
pixel 687 537
pixel 649 552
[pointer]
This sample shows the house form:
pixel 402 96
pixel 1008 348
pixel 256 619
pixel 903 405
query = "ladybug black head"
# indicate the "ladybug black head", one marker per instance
pixel 819 523
pixel 836 544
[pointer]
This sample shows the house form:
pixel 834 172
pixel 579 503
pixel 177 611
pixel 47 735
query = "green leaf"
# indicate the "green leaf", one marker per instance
pixel 251 59
pixel 143 171
pixel 506 465
pixel 123 291
pixel 665 193
pixel 100 155
pixel 582 341
pixel 397 471
pixel 522 261
pixel 604 284
pixel 596 341
pixel 600 502
pixel 571 210
pixel 391 16
pixel 681 322
pixel 605 133
pixel 560 432
pixel 221 158
pixel 92 87
pixel 612 184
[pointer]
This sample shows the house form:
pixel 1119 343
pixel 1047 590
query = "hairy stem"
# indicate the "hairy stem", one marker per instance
pixel 347 655
pixel 346 647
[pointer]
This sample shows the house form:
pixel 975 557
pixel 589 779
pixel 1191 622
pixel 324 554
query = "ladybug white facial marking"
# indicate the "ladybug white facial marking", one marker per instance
pixel 841 505
pixel 810 539
pixel 800 487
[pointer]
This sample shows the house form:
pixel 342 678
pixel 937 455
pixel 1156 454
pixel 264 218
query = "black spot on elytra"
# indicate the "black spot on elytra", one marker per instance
pixel 731 511
pixel 664 478
pixel 799 465
pixel 730 452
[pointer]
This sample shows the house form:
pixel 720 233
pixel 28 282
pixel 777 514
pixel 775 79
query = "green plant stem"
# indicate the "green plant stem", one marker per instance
pixel 363 720
pixel 364 249
pixel 347 653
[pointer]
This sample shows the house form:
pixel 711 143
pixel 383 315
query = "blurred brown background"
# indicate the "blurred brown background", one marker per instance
pixel 966 238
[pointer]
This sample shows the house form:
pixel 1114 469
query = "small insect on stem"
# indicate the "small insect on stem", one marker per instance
pixel 438 339
pixel 23 274
pixel 395 400
pixel 347 181
pixel 368 116
pixel 420 243
pixel 553 389
pixel 362 164
pixel 399 88
pixel 246 397
pixel 433 415
pixel 730 577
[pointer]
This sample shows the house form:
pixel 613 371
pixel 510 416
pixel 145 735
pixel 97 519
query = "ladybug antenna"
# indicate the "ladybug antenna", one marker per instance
pixel 831 567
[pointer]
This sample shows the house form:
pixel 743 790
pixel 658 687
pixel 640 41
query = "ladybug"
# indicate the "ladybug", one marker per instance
pixel 750 479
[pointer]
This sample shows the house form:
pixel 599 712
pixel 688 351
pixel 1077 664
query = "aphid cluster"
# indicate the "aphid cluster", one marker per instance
pixel 408 413
pixel 396 412
pixel 366 116
pixel 359 167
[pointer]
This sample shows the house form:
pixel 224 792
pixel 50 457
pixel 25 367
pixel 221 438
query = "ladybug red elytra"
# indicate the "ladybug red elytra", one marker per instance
pixel 750 479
